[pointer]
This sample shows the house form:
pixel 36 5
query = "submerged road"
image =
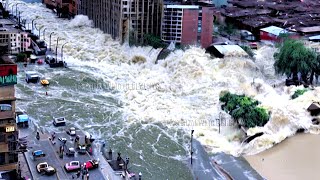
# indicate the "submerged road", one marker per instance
pixel 202 167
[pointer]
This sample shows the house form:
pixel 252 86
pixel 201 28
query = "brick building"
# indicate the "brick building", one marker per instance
pixel 8 127
pixel 187 24
pixel 119 17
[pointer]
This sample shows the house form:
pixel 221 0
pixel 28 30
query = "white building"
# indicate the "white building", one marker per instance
pixel 16 40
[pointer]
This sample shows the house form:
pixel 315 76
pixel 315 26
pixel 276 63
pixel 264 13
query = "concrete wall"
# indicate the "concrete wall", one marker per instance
pixel 189 26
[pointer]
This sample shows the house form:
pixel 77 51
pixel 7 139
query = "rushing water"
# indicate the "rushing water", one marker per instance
pixel 146 110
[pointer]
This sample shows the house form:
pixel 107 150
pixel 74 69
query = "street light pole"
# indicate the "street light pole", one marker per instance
pixel 17 8
pixel 32 25
pixel 62 50
pixel 50 40
pixel 191 151
pixel 44 35
pixel 57 49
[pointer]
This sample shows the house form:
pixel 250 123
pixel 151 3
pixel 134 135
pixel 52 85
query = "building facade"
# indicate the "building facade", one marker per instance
pixel 187 25
pixel 14 39
pixel 124 18
pixel 8 128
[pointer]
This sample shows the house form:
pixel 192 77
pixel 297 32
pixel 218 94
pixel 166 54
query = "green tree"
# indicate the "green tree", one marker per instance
pixel 154 41
pixel 244 109
pixel 298 93
pixel 294 57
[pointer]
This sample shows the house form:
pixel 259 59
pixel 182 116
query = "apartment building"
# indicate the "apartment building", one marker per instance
pixel 16 40
pixel 119 18
pixel 187 24
pixel 8 127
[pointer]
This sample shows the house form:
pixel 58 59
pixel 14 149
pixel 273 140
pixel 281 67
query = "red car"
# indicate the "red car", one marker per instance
pixel 92 164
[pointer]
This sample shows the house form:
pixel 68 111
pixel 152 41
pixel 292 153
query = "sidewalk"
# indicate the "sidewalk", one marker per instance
pixel 202 167
pixel 105 167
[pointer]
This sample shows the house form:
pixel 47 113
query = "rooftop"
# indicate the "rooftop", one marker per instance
pixel 274 30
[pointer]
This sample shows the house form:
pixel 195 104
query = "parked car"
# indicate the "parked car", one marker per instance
pixel 59 121
pixel 32 77
pixel 70 151
pixel 38 153
pixel 63 140
pixel 92 164
pixel 82 149
pixel 71 131
pixel 72 166
pixel 45 168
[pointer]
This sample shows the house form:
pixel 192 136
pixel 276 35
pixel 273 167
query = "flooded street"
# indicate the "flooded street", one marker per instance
pixel 146 110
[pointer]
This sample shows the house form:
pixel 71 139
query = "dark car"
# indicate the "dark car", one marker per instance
pixel 59 121
pixel 70 151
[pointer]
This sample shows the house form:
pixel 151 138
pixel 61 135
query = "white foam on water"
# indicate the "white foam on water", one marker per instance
pixel 183 90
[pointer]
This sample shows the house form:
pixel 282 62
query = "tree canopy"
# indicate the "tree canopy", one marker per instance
pixel 244 109
pixel 294 57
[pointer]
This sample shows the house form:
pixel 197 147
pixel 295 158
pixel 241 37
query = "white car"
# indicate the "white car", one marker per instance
pixel 45 168
pixel 71 131
pixel 32 77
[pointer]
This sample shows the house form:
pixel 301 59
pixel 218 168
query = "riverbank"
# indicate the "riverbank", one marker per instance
pixel 295 158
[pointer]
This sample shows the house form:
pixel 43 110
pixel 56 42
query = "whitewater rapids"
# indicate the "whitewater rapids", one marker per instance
pixel 182 91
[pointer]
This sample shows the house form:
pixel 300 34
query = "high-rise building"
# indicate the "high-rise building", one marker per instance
pixel 187 25
pixel 8 127
pixel 123 17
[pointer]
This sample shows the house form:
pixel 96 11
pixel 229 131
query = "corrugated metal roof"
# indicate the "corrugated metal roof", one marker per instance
pixel 229 50
pixel 182 6
pixel 274 30
pixel 317 37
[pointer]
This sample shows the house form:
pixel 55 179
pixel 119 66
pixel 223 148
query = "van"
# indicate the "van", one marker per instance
pixel 59 121
pixel 32 77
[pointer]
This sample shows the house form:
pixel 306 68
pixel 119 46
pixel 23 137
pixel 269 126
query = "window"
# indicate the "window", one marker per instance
pixel 2 158
pixel 5 107
pixel 13 158
pixel 2 137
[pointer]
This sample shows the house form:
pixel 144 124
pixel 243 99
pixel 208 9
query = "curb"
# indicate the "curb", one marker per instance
pixel 25 157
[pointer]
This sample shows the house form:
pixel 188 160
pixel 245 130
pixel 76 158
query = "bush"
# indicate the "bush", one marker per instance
pixel 298 93
pixel 21 57
pixel 244 109
pixel 248 50
pixel 154 41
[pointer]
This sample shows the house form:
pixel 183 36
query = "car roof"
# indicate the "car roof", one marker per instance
pixel 31 72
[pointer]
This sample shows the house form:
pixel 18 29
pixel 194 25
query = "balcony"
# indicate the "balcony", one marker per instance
pixel 4 147
pixel 8 167
pixel 7 93
pixel 6 115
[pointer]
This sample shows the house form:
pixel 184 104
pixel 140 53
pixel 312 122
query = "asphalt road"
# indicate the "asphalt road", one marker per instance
pixel 52 157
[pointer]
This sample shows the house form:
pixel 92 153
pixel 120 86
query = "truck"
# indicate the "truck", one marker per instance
pixel 22 120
